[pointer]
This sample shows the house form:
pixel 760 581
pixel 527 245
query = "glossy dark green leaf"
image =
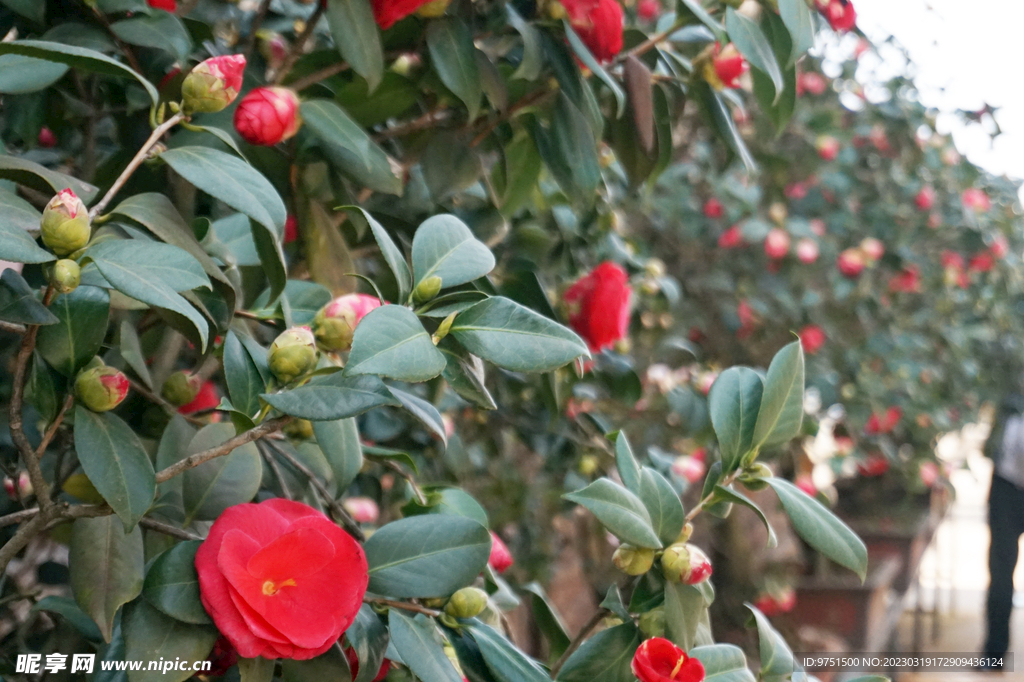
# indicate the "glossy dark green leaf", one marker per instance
pixel 241 376
pixel 445 247
pixel 721 119
pixel 533 50
pixel 32 9
pixel 151 636
pixel 730 495
pixel 172 584
pixel 782 404
pixel 800 24
pixel 585 56
pixel 625 462
pixel 40 388
pixel 303 300
pixel 39 177
pixel 356 36
pixel 69 610
pixel 548 621
pixel 569 150
pixel 619 510
pixel 605 657
pixel 16 214
pixel 106 568
pixel 752 44
pixel 452 501
pixel 339 441
pixel 368 637
pixel 257 669
pixel 393 97
pixel 505 661
pixel 663 504
pixel 78 335
pixel 451 48
pixel 348 147
pixel 777 106
pixel 19 304
pixel 418 643
pixel 684 605
pixel 212 487
pixel 332 397
pixel 694 11
pixel 464 372
pixel 159 30
pixel 116 462
pixel 723 663
pixel 450 165
pixel 514 337
pixel 424 412
pixel 820 528
pixel 777 664
pixel 131 350
pixel 734 401
pixel 390 341
pixel 392 255
pixel 331 665
pixel 426 556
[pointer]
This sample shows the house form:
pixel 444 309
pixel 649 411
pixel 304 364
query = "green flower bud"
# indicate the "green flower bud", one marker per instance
pixel 65 276
pixel 336 322
pixel 685 563
pixel 427 289
pixel 65 225
pixel 443 328
pixel 181 388
pixel 299 429
pixel 753 476
pixel 293 353
pixel 466 603
pixel 213 84
pixel 101 388
pixel 652 623
pixel 633 560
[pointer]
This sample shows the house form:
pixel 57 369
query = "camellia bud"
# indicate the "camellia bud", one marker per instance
pixel 433 9
pixel 181 388
pixel 213 84
pixel 427 289
pixel 466 603
pixel 443 328
pixel 293 353
pixel 335 323
pixel 652 623
pixel 500 558
pixel 65 276
pixel 22 490
pixel 725 67
pixel 268 115
pixel 101 388
pixel 299 429
pixel 754 475
pixel 65 225
pixel 633 560
pixel 850 263
pixel 362 509
pixel 872 248
pixel 685 563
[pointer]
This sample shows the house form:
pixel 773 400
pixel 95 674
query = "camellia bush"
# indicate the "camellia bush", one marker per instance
pixel 259 248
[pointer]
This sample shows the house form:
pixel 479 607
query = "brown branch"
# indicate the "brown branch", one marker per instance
pixel 347 522
pixel 425 121
pixel 699 507
pixel 257 22
pixel 48 436
pixel 404 605
pixel 129 55
pixel 168 529
pixel 300 43
pixel 420 497
pixel 575 643
pixel 12 328
pixel 18 517
pixel 646 45
pixel 528 100
pixel 21 538
pixel 140 156
pixel 317 76
pixel 192 461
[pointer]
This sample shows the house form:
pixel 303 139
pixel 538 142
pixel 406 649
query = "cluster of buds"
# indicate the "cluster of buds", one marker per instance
pixel 292 354
pixel 65 225
pixel 336 322
pixel 22 490
pixel 101 388
pixel 213 84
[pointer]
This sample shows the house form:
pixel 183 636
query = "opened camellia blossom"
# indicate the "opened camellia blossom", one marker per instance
pixel 280 580
pixel 599 306
pixel 598 23
pixel 659 660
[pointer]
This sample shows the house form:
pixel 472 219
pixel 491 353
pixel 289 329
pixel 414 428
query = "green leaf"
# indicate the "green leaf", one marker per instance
pixel 450 165
pixel 521 172
pixel 695 12
pixel 40 390
pixel 70 611
pixel 150 636
pixel 777 663
pixel 548 621
pixel 721 119
pixel 504 660
pixel 339 441
pixel 782 404
pixel 731 495
pixel 418 643
pixel 663 504
pixel 357 38
pixel 16 244
pixel 328 666
pixel 778 107
pixel 106 568
pixel 172 584
pixel 39 177
pixel 605 657
pixel 800 24
pixel 424 412
pixel 391 99
pixel 514 337
pixel 159 30
pixel 131 350
pixel 241 376
pixel 684 605
pixel 533 50
pixel 391 342
pixel 256 669
pixel 18 303
pixel 332 397
pixel 303 299
pixel 619 510
pixel 392 255
pixel 426 556
pixel 212 487
pixel 451 48
pixel 585 56
pixel 752 44
pixel 32 9
pixel 78 334
pixel 625 462
pixel 465 374
pixel 113 458
pixel 450 501
pixel 445 247
pixel 734 401
pixel 145 270
pixel 723 663
pixel 569 150
pixel 348 147
pixel 79 58
pixel 820 528
pixel 368 637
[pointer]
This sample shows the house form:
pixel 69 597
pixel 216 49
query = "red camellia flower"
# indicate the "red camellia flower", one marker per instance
pixel 884 423
pixel 206 399
pixel 850 263
pixel 46 138
pixel 387 12
pixel 812 338
pixel 659 660
pixel 280 580
pixel 839 13
pixel 925 199
pixel 951 259
pixel 729 65
pixel 648 10
pixel 776 244
pixel 874 465
pixel 1000 246
pixel 291 229
pixel 982 262
pixel 169 5
pixel 267 116
pixel 222 657
pixel 812 82
pixel 500 559
pixel 908 281
pixel 598 24
pixel 976 200
pixel 828 147
pixel 713 209
pixel 599 306
pixel 689 468
pixel 795 190
pixel 353 665
pixel 731 238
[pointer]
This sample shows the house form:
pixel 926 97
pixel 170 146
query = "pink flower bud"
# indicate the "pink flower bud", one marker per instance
pixel 976 200
pixel 818 227
pixel 828 147
pixel 872 248
pixel 181 388
pixel 336 322
pixel 1000 246
pixel 850 263
pixel 268 115
pixel 727 66
pixel 685 563
pixel 812 82
pixel 648 10
pixel 925 198
pixel 731 238
pixel 807 250
pixel 101 388
pixel 65 224
pixel 689 468
pixel 713 208
pixel 805 483
pixel 362 509
pixel 213 84
pixel 929 472
pixel 24 486
pixel 812 338
pixel 46 138
pixel 500 559
pixel 776 244
pixel 840 14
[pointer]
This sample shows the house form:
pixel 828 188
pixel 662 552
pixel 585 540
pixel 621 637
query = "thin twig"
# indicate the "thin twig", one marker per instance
pixel 140 156
pixel 18 517
pixel 300 43
pixel 692 514
pixel 323 74
pixel 12 328
pixel 575 643
pixel 274 468
pixel 192 461
pixel 420 497
pixel 168 529
pixel 347 522
pixel 404 605
pixel 129 55
pixel 257 22
pixel 48 436
pixel 21 537
pixel 423 122
pixel 646 45
pixel 528 100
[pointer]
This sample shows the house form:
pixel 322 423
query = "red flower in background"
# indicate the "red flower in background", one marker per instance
pixel 267 116
pixel 222 658
pixel 828 147
pixel 291 229
pixel 648 10
pixel 713 208
pixel 353 665
pixel 976 200
pixel 850 263
pixel 729 65
pixel 812 338
pixel 387 12
pixel 982 262
pixel 812 82
pixel 206 399
pixel 599 306
pixel 659 660
pixel 772 605
pixel 951 259
pixel 874 465
pixel 807 250
pixel 598 24
pixel 731 238
pixel 776 244
pixel 46 138
pixel 1000 246
pixel 500 559
pixel 280 580
pixel 169 5
pixel 925 199
pixel 839 13
pixel 884 423
pixel 908 281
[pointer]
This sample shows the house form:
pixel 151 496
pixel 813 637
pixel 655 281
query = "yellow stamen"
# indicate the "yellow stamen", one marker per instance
pixel 270 589
pixel 679 664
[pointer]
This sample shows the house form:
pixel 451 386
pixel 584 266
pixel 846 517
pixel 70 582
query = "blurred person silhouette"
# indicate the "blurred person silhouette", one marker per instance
pixel 1005 447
